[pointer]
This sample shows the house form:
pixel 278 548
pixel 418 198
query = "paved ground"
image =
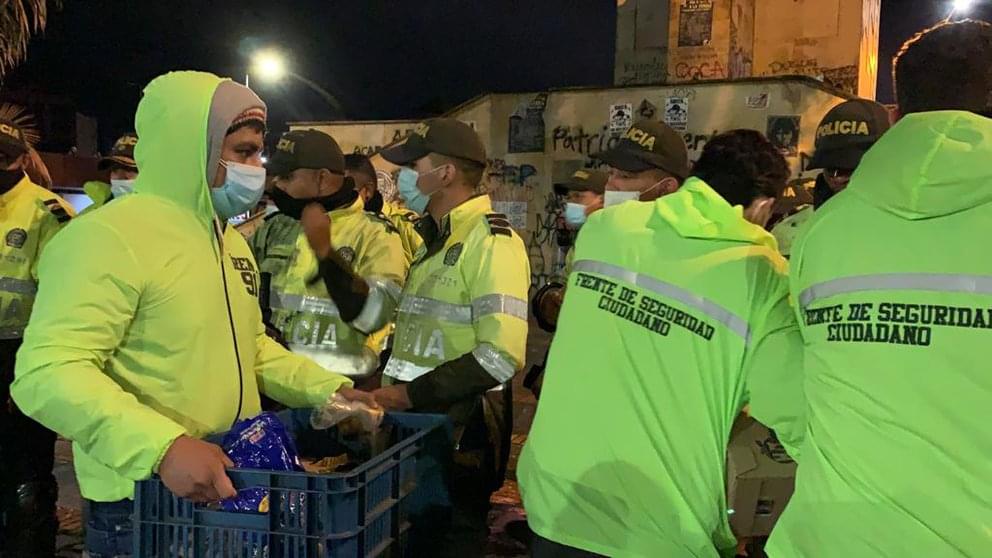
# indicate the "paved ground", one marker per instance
pixel 506 502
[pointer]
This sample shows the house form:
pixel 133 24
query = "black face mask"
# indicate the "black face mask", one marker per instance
pixel 374 204
pixel 293 207
pixel 9 179
pixel 821 191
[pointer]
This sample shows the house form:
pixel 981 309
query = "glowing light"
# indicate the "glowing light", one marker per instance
pixel 269 66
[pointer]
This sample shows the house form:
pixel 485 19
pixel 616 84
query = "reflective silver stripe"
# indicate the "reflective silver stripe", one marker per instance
pixel 379 307
pixel 464 313
pixel 941 282
pixel 732 321
pixel 11 332
pixel 404 370
pixel 499 366
pixel 303 303
pixel 19 286
pixel 499 304
pixel 421 306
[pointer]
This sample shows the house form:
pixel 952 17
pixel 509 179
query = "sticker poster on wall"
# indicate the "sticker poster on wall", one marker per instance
pixel 621 117
pixel 677 113
pixel 783 132
pixel 527 126
pixel 515 211
pixel 695 22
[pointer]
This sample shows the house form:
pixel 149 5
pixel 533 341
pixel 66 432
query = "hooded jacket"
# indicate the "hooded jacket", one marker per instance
pixel 894 287
pixel 676 315
pixel 158 332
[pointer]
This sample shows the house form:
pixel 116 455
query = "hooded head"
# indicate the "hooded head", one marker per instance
pixel 182 123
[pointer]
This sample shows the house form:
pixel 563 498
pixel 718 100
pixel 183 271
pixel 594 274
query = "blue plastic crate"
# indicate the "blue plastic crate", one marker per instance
pixel 362 513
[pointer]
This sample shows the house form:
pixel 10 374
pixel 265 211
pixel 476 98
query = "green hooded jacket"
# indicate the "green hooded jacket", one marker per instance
pixel 157 332
pixel 893 282
pixel 676 315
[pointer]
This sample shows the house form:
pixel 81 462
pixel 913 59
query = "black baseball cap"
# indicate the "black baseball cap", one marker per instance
pixel 13 142
pixel 444 136
pixel 584 180
pixel 648 144
pixel 847 132
pixel 121 154
pixel 305 149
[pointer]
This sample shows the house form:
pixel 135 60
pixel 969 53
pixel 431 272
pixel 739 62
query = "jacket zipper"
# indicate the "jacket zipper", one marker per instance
pixel 230 321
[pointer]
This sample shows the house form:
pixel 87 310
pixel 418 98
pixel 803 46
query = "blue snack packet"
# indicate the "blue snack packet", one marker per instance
pixel 261 442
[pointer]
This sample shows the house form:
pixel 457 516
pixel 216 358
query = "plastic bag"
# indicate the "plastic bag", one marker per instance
pixel 259 443
pixel 338 409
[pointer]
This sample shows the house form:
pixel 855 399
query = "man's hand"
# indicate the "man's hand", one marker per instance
pixel 393 398
pixel 317 227
pixel 352 394
pixel 550 305
pixel 195 470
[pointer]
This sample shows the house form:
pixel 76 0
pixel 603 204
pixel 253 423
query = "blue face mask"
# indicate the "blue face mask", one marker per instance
pixel 120 187
pixel 406 184
pixel 242 189
pixel 575 214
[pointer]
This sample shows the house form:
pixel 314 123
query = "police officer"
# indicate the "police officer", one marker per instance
pixel 123 171
pixel 30 217
pixel 461 329
pixel 892 280
pixel 648 162
pixel 844 135
pixel 583 193
pixel 359 168
pixel 676 315
pixel 314 301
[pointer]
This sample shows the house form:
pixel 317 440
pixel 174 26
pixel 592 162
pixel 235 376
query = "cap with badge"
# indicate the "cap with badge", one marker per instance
pixel 305 149
pixel 122 154
pixel 847 132
pixel 648 144
pixel 17 130
pixel 584 180
pixel 444 136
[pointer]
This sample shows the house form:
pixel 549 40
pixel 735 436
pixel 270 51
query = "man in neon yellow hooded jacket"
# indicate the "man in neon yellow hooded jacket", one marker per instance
pixel 157 333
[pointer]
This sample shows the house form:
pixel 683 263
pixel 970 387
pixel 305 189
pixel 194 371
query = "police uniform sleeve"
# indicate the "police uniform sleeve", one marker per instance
pixel 55 215
pixel 367 297
pixel 497 273
pixel 82 310
pixel 291 379
pixel 773 368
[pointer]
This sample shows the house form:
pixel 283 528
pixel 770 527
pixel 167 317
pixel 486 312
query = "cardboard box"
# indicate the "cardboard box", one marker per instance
pixel 760 479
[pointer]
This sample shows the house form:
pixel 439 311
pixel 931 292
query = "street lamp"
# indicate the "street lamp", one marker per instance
pixel 959 7
pixel 270 66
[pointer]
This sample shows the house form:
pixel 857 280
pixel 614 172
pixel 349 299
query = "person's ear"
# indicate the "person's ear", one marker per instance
pixel 668 185
pixel 760 211
pixel 447 175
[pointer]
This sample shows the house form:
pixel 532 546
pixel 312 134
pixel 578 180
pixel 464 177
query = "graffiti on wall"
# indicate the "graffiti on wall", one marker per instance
pixel 371 150
pixel 641 68
pixel 502 175
pixel 547 241
pixel 693 70
pixel 844 78
pixel 527 126
pixel 740 60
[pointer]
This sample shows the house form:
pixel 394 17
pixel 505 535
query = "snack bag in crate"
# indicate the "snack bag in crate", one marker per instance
pixel 259 443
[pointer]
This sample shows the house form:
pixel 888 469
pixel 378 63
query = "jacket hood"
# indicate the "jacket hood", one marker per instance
pixel 181 123
pixel 697 211
pixel 928 165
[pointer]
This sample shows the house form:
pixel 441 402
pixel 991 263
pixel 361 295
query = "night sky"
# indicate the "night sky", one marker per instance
pixel 382 59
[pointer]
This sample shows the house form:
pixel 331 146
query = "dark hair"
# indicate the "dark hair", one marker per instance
pixel 356 162
pixel 742 165
pixel 471 170
pixel 256 125
pixel 945 67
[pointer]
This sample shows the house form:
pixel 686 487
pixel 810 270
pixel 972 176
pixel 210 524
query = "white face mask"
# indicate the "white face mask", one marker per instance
pixel 121 187
pixel 617 197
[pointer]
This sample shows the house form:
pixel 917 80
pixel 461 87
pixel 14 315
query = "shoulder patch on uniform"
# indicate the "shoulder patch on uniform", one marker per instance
pixel 499 224
pixel 56 209
pixel 347 254
pixel 16 238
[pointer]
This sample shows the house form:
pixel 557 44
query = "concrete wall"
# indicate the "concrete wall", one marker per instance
pixel 537 139
pixel 678 41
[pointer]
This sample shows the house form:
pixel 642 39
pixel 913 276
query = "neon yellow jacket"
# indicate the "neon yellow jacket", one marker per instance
pixel 676 315
pixel 461 327
pixel 893 280
pixel 307 316
pixel 404 220
pixel 30 217
pixel 99 192
pixel 131 345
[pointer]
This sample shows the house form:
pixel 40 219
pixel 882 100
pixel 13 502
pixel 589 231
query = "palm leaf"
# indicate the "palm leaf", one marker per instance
pixel 19 19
